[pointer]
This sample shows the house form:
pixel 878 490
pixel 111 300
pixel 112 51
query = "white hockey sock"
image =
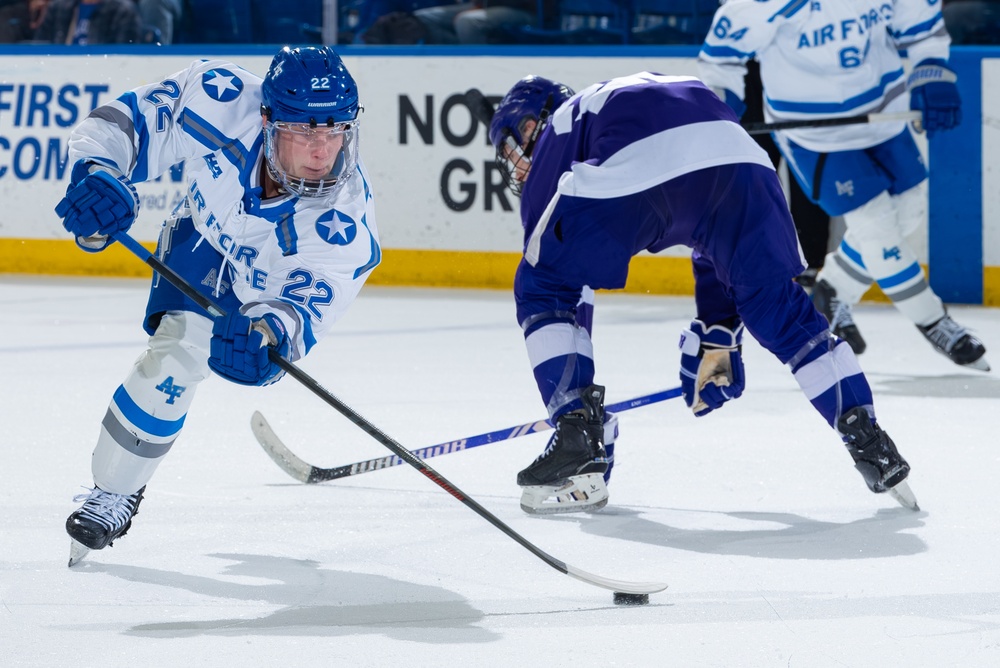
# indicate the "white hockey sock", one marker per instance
pixel 844 270
pixel 874 234
pixel 147 411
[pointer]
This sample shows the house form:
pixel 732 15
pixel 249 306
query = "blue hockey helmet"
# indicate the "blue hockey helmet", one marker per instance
pixel 310 100
pixel 533 98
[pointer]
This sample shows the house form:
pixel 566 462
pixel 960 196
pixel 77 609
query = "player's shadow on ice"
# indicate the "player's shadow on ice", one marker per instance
pixel 314 601
pixel 973 385
pixel 767 535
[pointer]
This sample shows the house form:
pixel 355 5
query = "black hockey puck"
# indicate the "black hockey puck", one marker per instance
pixel 621 598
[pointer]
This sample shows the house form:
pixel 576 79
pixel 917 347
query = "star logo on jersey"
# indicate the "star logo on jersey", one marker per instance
pixel 221 85
pixel 336 227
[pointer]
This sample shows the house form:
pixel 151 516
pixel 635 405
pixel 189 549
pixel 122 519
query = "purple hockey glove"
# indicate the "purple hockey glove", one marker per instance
pixel 99 203
pixel 711 366
pixel 238 351
pixel 933 92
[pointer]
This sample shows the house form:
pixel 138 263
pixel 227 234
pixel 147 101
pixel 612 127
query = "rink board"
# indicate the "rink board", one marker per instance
pixel 443 216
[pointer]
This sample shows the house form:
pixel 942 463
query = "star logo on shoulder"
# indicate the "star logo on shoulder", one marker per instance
pixel 336 227
pixel 221 85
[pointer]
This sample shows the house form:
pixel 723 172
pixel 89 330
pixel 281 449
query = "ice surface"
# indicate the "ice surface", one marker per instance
pixel 775 551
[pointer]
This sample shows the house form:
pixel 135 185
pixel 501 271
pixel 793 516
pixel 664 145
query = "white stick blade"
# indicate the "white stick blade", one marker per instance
pixel 616 585
pixel 276 450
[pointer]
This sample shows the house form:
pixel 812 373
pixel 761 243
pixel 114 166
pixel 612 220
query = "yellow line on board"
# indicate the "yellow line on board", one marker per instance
pixel 400 267
pixel 654 275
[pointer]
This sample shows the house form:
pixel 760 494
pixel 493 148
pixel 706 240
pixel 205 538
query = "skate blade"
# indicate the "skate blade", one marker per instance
pixel 904 496
pixel 77 551
pixel 581 493
pixel 980 364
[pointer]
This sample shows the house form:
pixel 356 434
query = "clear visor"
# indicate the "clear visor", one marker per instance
pixel 311 161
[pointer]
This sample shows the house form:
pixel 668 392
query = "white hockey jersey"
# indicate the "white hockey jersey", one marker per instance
pixel 825 59
pixel 304 259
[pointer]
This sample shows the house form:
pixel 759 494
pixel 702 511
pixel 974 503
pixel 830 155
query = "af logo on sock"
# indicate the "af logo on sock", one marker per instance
pixel 891 253
pixel 168 388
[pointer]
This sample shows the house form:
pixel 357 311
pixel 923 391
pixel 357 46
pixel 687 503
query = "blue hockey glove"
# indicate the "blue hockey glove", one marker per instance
pixel 711 366
pixel 239 346
pixel 933 93
pixel 99 203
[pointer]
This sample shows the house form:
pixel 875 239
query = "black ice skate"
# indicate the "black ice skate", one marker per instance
pixel 956 343
pixel 838 314
pixel 103 517
pixel 807 279
pixel 569 475
pixel 875 456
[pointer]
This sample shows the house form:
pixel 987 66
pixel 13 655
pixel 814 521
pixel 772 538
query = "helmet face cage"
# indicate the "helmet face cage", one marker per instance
pixel 513 160
pixel 286 144
pixel 310 104
pixel 531 99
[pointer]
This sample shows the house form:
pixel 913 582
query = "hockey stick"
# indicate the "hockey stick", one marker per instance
pixel 765 128
pixel 302 471
pixel 481 108
pixel 373 431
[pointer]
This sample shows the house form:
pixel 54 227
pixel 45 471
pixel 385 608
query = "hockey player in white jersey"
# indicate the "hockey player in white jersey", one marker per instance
pixel 837 58
pixel 278 228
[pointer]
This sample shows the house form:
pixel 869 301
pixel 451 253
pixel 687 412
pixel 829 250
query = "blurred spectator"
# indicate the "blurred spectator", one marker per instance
pixel 383 22
pixel 972 21
pixel 14 21
pixel 36 12
pixel 163 15
pixel 475 22
pixel 90 22
pixel 19 19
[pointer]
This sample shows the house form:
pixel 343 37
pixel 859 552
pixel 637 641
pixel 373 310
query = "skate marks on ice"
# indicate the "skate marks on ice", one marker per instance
pixel 768 535
pixel 313 600
pixel 952 386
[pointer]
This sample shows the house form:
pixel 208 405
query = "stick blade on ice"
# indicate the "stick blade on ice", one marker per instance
pixel 277 451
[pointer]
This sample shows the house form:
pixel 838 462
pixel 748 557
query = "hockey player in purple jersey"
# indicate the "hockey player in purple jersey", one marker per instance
pixel 278 228
pixel 641 163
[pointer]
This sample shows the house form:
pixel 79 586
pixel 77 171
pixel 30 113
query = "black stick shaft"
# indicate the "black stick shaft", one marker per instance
pixel 292 370
pixel 766 128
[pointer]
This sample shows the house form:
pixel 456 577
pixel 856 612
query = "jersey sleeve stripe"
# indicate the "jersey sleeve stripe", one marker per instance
pixel 712 51
pixel 848 105
pixel 376 252
pixel 209 136
pixel 119 119
pixel 287 236
pixel 789 10
pixel 139 169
